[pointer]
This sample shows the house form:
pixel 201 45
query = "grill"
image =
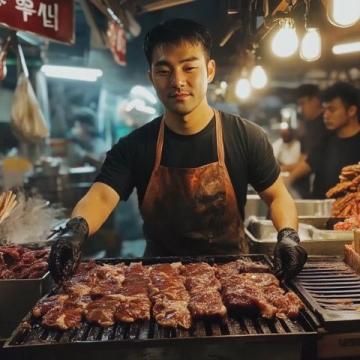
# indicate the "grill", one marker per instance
pixel 279 335
pixel 332 290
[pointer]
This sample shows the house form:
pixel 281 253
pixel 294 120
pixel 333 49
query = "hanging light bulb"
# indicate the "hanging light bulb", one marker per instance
pixel 285 41
pixel 343 13
pixel 243 89
pixel 258 77
pixel 310 48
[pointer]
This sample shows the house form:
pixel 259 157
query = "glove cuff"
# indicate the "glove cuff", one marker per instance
pixel 79 226
pixel 288 233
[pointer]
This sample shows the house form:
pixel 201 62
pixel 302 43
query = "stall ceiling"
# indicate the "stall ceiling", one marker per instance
pixel 230 23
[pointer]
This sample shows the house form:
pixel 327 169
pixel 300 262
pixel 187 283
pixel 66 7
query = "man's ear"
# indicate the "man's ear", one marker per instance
pixel 352 110
pixel 211 69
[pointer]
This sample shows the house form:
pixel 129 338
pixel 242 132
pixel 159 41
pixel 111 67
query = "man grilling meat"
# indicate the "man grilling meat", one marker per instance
pixel 190 167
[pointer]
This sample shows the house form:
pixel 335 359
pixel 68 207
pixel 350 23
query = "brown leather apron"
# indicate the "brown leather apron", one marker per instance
pixel 192 211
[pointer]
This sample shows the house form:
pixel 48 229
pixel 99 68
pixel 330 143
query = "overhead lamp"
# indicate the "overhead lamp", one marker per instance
pixel 346 48
pixel 310 48
pixel 343 13
pixel 285 41
pixel 243 89
pixel 71 73
pixel 258 77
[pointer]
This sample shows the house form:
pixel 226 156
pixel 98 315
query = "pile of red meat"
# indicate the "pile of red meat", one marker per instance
pixel 17 262
pixel 347 195
pixel 173 294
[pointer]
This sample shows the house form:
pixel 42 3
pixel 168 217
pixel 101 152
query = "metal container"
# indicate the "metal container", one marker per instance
pixel 251 336
pixel 314 233
pixel 305 207
pixel 17 297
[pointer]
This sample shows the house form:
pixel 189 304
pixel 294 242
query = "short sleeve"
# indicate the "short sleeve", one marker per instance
pixel 116 170
pixel 263 167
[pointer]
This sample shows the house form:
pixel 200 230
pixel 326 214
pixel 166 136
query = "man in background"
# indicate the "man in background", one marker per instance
pixel 341 147
pixel 314 130
pixel 85 144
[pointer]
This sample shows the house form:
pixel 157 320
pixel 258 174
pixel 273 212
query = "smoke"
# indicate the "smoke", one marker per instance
pixel 31 221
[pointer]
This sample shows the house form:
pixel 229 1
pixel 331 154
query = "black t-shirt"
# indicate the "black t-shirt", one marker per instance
pixel 249 156
pixel 315 133
pixel 327 160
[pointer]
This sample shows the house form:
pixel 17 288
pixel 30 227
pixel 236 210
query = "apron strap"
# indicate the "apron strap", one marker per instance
pixel 219 141
pixel 219 138
pixel 159 144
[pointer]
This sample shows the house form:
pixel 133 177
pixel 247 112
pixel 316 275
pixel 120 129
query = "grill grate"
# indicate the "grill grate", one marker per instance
pixel 243 326
pixel 332 290
pixel 31 333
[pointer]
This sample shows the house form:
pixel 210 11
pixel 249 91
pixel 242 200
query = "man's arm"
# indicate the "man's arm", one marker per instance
pixel 301 169
pixel 96 206
pixel 289 255
pixel 281 205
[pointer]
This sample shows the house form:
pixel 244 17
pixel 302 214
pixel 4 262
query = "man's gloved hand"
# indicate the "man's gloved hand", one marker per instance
pixel 289 255
pixel 65 253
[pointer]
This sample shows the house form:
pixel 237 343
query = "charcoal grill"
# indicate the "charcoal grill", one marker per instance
pixel 332 291
pixel 277 338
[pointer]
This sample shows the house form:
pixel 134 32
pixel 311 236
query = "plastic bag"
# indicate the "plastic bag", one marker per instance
pixel 27 120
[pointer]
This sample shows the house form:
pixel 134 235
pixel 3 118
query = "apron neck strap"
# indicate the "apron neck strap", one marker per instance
pixel 219 141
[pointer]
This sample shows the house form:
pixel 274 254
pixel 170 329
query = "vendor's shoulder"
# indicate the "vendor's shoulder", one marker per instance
pixel 240 123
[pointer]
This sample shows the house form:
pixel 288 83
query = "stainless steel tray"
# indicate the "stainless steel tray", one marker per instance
pixel 314 233
pixel 17 297
pixel 305 207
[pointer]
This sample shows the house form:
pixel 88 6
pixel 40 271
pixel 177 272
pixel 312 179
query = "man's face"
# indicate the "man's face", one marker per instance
pixel 336 114
pixel 309 107
pixel 180 74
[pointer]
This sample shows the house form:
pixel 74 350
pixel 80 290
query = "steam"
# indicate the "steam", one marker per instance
pixel 31 221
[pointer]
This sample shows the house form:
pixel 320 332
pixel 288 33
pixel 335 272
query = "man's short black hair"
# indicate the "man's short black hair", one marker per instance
pixel 174 31
pixel 346 92
pixel 308 90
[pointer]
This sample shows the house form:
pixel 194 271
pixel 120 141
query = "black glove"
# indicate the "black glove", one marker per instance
pixel 289 255
pixel 65 253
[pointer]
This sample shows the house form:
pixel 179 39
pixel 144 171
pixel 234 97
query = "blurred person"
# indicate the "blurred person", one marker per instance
pixel 191 168
pixel 314 130
pixel 311 110
pixel 287 147
pixel 85 145
pixel 341 147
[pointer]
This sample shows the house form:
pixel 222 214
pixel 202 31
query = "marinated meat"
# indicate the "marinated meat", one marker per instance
pixel 170 313
pixel 172 293
pixel 17 262
pixel 203 287
pixel 259 292
pixel 45 304
pixel 102 311
pixel 67 316
pixel 347 194
pixel 166 289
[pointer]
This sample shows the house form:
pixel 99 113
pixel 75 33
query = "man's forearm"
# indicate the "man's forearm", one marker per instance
pixel 96 206
pixel 283 213
pixel 300 170
pixel 281 205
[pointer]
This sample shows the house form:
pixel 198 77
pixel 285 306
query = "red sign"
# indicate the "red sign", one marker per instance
pixel 53 19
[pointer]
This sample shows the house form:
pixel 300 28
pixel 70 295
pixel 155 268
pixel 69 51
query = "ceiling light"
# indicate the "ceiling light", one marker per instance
pixel 346 48
pixel 310 49
pixel 71 73
pixel 285 41
pixel 343 13
pixel 243 89
pixel 258 77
